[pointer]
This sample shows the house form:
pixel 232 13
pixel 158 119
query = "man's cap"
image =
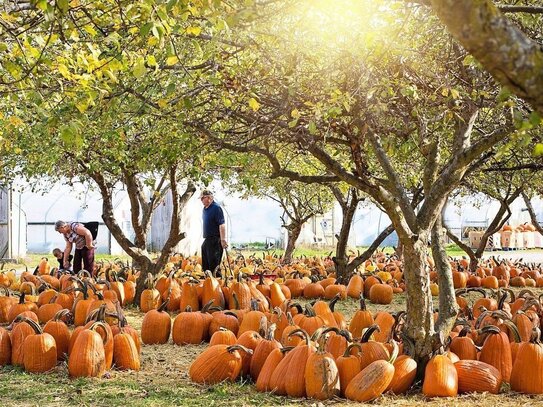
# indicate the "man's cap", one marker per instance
pixel 206 192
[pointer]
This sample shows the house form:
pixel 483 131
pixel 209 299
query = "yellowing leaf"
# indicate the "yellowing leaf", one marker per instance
pixel 151 61
pixel 15 121
pixel 295 114
pixel 445 92
pixel 253 104
pixel 152 41
pixel 63 70
pixel 90 30
pixel 193 30
pixel 538 150
pixel 162 103
pixel 455 94
pixel 172 60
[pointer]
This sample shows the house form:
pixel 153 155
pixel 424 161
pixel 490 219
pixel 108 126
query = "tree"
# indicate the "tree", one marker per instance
pixel 384 122
pixel 98 92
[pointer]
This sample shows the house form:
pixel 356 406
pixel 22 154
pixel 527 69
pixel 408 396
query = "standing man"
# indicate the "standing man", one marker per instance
pixel 214 232
pixel 76 233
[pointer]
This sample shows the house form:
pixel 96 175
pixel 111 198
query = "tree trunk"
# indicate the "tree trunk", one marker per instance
pixel 341 258
pixel 531 211
pixel 293 232
pixel 419 305
pixel 448 309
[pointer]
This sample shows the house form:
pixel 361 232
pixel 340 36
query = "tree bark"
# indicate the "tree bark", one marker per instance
pixel 293 232
pixel 510 56
pixel 419 305
pixel 348 209
pixel 448 309
pixel 531 211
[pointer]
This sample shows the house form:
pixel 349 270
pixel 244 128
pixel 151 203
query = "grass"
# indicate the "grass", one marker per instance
pixel 163 381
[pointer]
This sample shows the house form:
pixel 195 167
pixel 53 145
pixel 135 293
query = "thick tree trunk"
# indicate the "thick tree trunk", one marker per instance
pixel 448 308
pixel 419 305
pixel 293 232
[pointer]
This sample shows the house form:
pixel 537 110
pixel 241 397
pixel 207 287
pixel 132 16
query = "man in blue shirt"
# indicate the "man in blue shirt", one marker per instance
pixel 214 232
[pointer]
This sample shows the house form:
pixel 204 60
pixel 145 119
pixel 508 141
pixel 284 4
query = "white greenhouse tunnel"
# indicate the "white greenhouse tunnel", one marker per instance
pixel 27 220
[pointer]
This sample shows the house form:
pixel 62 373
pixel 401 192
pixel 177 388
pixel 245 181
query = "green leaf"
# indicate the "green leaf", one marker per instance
pixel 144 30
pixel 139 69
pixel 41 4
pixel 312 127
pixel 293 123
pixel 535 119
pixel 63 5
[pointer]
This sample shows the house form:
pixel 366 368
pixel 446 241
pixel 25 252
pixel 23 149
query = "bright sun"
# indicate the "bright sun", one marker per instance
pixel 339 23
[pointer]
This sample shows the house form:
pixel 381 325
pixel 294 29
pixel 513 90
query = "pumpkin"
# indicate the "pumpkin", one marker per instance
pixel 348 367
pixel 496 350
pixel 289 376
pixel 370 351
pixel 440 378
pixel 20 331
pixel 262 351
pixel 125 352
pixel 211 291
pixel 361 320
pixel 217 363
pixel 60 332
pixel 150 297
pixel 271 363
pixel 309 321
pixel 40 351
pixel 156 326
pixel 223 337
pixel 463 346
pixel 373 380
pixel 527 373
pixel 251 320
pixel 88 358
pixel 355 286
pixel 477 376
pixel 5 347
pixel 321 373
pixel 191 327
pixel 224 319
pixel 189 295
pixel 6 301
pixel 21 307
pixel 381 294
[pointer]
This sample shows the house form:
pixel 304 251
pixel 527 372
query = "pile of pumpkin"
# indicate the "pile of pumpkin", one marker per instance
pixel 236 291
pixel 100 338
pixel 494 273
pixel 318 356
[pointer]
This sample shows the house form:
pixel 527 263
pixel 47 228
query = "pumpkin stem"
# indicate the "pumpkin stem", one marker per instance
pixel 301 333
pixel 369 332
